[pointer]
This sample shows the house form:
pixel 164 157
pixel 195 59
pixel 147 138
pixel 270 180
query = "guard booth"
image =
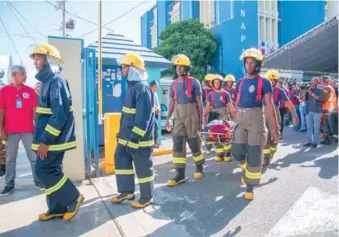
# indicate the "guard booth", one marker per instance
pixel 114 86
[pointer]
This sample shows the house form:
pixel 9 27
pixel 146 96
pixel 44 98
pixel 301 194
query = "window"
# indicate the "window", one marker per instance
pixel 207 13
pixel 175 14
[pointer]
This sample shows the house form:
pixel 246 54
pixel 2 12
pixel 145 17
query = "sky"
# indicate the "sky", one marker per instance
pixel 47 20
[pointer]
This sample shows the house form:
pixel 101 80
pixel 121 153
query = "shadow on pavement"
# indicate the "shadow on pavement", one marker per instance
pixel 328 167
pixel 21 192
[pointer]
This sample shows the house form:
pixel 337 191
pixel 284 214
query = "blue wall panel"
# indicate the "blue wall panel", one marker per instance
pixel 162 17
pixel 298 17
pixel 236 35
pixel 195 9
pixel 185 10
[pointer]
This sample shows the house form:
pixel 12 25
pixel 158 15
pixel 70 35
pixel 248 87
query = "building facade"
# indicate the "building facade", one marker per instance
pixel 238 25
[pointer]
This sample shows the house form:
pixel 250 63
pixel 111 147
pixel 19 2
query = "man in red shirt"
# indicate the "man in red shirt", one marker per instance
pixel 17 113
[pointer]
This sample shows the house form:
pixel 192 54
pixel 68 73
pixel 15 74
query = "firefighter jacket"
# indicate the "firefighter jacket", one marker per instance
pixel 138 118
pixel 54 124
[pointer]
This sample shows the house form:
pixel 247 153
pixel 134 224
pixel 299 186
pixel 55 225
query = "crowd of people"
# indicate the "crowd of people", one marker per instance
pixel 316 103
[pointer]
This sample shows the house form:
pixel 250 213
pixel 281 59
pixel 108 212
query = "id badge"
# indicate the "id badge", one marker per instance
pixel 19 104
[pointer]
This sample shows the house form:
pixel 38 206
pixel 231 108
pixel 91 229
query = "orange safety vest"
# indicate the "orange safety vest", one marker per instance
pixel 331 103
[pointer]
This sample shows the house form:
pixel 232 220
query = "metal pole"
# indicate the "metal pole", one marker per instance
pixel 100 64
pixel 63 5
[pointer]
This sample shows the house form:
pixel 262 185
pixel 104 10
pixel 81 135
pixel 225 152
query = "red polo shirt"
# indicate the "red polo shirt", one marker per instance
pixel 18 120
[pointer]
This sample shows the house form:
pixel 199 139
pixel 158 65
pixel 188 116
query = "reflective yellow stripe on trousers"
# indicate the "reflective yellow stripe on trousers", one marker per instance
pixel 198 158
pixel 146 179
pixel 267 151
pixel 56 187
pixel 253 175
pixel 124 172
pixel 135 145
pixel 179 160
pixel 228 147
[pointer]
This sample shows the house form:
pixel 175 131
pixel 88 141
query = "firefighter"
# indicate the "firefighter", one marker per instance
pixel 136 135
pixel 250 133
pixel 208 88
pixel 218 106
pixel 278 95
pixel 230 86
pixel 186 103
pixel 54 135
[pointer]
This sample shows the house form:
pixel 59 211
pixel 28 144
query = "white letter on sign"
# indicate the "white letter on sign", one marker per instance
pixel 243 37
pixel 243 27
pixel 243 13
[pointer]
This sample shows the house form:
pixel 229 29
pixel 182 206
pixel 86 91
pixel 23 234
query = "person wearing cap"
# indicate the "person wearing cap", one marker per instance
pixel 136 135
pixel 186 104
pixel 278 95
pixel 230 86
pixel 250 132
pixel 17 113
pixel 219 107
pixel 208 88
pixel 54 135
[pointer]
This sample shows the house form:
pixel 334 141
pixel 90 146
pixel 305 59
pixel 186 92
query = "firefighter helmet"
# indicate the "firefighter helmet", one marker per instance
pixel 252 53
pixel 209 77
pixel 181 60
pixel 48 50
pixel 229 78
pixel 272 74
pixel 131 59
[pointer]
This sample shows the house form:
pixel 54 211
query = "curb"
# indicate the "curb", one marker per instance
pixel 166 151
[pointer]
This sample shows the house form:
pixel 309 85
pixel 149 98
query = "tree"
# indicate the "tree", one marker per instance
pixel 188 37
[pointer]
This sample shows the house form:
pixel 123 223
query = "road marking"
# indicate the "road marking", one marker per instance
pixel 315 211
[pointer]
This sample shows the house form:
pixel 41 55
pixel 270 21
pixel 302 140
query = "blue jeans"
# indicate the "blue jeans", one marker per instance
pixel 313 127
pixel 302 111
pixel 332 123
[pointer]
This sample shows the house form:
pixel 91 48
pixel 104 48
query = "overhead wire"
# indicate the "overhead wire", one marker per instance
pixel 44 36
pixel 77 16
pixel 10 38
pixel 115 19
pixel 10 6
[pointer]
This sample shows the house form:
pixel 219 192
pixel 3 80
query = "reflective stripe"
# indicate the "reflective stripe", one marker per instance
pixel 132 145
pixel 138 131
pixel 253 175
pixel 198 158
pixel 220 150
pixel 228 147
pixel 124 172
pixel 52 130
pixel 59 147
pixel 135 145
pixel 209 143
pixel 243 166
pixel 267 151
pixel 146 143
pixel 56 187
pixel 129 110
pixel 273 148
pixel 146 180
pixel 122 142
pixel 44 110
pixel 179 160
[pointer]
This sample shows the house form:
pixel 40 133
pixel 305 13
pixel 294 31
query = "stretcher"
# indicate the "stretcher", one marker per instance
pixel 217 131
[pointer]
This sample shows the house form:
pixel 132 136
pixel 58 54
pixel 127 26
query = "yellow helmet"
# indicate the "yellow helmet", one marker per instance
pixel 217 76
pixel 48 50
pixel 252 53
pixel 229 78
pixel 131 59
pixel 209 77
pixel 272 74
pixel 181 60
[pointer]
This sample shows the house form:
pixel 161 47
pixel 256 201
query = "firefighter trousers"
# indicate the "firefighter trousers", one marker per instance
pixel 143 166
pixel 271 147
pixel 185 129
pixel 249 139
pixel 60 191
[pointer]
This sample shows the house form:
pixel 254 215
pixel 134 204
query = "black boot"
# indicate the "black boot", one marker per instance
pixel 178 179
pixel 198 172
